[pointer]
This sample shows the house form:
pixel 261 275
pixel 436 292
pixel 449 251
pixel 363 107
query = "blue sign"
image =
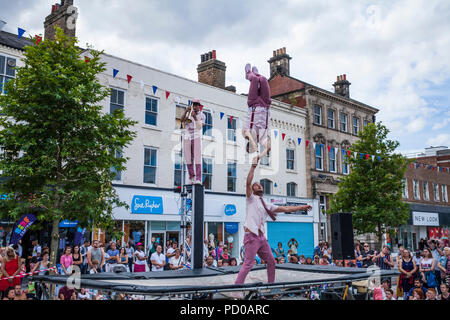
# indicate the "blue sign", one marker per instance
pixel 147 205
pixel 230 209
pixel 231 227
pixel 68 224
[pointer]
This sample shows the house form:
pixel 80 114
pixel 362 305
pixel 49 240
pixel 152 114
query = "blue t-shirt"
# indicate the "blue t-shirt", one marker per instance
pixel 412 289
pixel 112 253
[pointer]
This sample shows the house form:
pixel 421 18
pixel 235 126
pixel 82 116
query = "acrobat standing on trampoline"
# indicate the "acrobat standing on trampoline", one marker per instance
pixel 256 126
pixel 255 241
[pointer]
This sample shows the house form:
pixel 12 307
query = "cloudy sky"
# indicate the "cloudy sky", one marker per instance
pixel 396 54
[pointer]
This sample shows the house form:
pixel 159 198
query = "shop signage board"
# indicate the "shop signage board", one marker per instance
pixel 146 205
pixel 425 218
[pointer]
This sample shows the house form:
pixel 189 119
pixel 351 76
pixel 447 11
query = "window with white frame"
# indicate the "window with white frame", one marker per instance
pixel 322 204
pixel 117 100
pixel 231 176
pixel 332 156
pixel 7 71
pixel 178 172
pixel 291 189
pixel 416 189
pixel 366 122
pixel 444 193
pixel 267 186
pixel 207 127
pixel 150 163
pixel 231 129
pixel 436 192
pixel 355 125
pixel 343 122
pixel 319 157
pixel 264 161
pixel 405 188
pixel 344 162
pixel 317 114
pixel 151 111
pixel 331 118
pixel 118 174
pixel 290 159
pixel 426 193
pixel 207 171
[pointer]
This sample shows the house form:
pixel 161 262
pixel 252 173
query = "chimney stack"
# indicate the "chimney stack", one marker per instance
pixel 279 63
pixel 211 71
pixel 342 86
pixel 63 15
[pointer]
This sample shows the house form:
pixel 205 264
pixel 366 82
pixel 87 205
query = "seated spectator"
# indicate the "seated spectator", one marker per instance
pixel 84 294
pixel 225 256
pixel 20 295
pixel 431 294
pixel 324 260
pixel 66 294
pixel 417 285
pixel 219 263
pixel 293 259
pixel 389 294
pixel 417 294
pixel 309 261
pixel 225 263
pixel 282 261
pixel 302 259
pixel 379 293
pixel 444 292
pixel 95 268
pixel 233 262
pixel 339 263
pixel 289 254
pixel 316 260
pixel 211 262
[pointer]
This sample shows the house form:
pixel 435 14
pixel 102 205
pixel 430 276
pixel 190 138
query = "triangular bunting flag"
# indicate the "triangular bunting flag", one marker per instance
pixel 307 143
pixel 189 102
pixel 275 185
pixel 321 146
pixel 361 155
pixel 348 153
pixel 115 72
pixel 283 135
pixel 178 99
pixel 221 115
pixel 275 132
pixel 129 78
pixel 373 158
pixel 337 150
pixel 299 140
pixel 417 166
pixel 355 154
pixel 329 148
pixel 379 158
pixel 412 165
pixel 20 32
pixel 154 89
pixel 38 40
pixel 87 59
pixel 142 84
pixel 231 119
pixel 367 156
pixel 314 145
pixel 167 94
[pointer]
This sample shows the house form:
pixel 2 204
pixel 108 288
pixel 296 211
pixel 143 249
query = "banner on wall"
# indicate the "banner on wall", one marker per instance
pixel 22 226
pixel 147 205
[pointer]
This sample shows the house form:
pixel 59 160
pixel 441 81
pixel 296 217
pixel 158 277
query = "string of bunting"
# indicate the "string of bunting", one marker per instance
pixel 418 165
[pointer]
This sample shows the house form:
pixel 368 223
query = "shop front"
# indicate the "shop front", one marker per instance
pixel 426 221
pixel 156 213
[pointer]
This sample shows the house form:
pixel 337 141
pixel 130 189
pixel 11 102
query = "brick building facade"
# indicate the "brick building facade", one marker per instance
pixel 426 189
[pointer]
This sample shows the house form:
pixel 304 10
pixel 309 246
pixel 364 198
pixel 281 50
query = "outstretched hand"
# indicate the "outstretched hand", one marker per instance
pixel 307 208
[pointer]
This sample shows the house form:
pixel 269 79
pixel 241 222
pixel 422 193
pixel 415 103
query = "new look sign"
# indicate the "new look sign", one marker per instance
pixel 425 219
pixel 147 205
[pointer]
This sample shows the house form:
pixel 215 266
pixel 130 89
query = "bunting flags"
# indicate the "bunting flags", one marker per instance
pixel 275 132
pixel 87 59
pixel 154 89
pixel 418 165
pixel 283 135
pixel 307 143
pixel 329 148
pixel 115 72
pixel 231 120
pixel 299 140
pixel 38 40
pixel 20 32
pixel 167 94
pixel 221 115
pixel 142 84
pixel 129 78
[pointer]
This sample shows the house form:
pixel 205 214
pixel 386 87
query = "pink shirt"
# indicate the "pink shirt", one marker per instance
pixel 193 130
pixel 66 260
pixel 256 214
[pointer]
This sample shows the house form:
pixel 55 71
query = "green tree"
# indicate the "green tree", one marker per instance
pixel 373 189
pixel 58 145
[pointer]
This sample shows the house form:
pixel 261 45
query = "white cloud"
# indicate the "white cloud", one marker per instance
pixel 442 139
pixel 440 125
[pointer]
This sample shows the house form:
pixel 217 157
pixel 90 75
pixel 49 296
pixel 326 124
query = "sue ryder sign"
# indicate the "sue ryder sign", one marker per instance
pixel 146 205
pixel 425 219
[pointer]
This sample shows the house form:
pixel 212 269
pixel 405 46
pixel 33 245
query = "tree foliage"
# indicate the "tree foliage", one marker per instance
pixel 58 145
pixel 373 189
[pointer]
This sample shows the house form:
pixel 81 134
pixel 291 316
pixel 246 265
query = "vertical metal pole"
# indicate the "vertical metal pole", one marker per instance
pixel 197 226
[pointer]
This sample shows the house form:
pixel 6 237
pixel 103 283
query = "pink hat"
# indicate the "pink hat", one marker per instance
pixel 196 101
pixel 139 244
